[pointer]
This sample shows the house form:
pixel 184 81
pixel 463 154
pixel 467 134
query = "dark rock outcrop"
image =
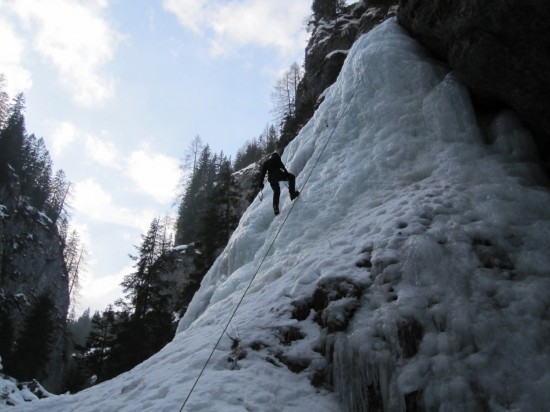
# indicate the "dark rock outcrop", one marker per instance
pixel 326 51
pixel 32 265
pixel 500 50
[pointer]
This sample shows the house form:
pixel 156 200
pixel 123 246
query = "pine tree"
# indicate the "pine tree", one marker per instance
pixel 192 203
pixel 60 193
pixel 128 347
pixel 138 285
pixel 327 9
pixel 33 348
pixel 80 329
pixel 99 344
pixel 271 140
pixel 146 324
pixel 6 336
pixel 36 171
pixel 12 137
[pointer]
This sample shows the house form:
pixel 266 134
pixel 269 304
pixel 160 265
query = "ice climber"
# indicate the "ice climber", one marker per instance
pixel 276 172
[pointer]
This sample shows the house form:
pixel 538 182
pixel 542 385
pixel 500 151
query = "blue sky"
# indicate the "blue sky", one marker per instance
pixel 118 89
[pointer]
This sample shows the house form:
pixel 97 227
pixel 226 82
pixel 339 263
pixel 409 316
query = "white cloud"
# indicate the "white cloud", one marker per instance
pixel 234 24
pixel 152 174
pixel 155 174
pixel 190 13
pixel 98 292
pixel 77 39
pixel 18 78
pixel 102 151
pixel 63 135
pixel 94 202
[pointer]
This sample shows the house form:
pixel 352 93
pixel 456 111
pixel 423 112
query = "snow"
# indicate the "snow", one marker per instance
pixel 432 235
pixel 3 210
pixel 13 393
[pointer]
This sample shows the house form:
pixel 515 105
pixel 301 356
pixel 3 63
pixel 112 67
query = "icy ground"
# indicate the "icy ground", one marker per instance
pixel 412 270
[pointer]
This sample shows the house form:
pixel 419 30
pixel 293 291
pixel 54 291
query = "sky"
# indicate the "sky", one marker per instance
pixel 415 277
pixel 119 88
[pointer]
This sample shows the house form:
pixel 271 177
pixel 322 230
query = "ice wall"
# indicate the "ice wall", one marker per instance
pixel 452 221
pixel 410 274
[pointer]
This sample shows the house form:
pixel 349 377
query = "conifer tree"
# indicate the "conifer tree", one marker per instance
pixel 150 326
pixel 60 193
pixel 33 348
pixel 139 284
pixel 192 203
pixel 11 139
pixel 99 344
pixel 6 336
pixel 36 171
pixel 327 9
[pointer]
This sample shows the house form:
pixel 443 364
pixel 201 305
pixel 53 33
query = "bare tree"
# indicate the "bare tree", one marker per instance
pixel 192 154
pixel 4 102
pixel 76 259
pixel 283 96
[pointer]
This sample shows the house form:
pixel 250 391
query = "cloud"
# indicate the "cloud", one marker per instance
pixel 156 175
pixel 76 38
pixel 152 174
pixel 63 135
pixel 102 151
pixel 93 201
pixel 234 24
pixel 190 13
pixel 99 292
pixel 17 77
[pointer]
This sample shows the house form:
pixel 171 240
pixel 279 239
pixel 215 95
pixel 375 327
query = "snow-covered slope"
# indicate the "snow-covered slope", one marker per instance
pixel 413 270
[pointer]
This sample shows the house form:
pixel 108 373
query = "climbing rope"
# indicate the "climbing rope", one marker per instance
pixel 277 233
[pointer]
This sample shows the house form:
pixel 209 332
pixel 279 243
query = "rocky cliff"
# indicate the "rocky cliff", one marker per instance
pixel 500 50
pixel 328 46
pixel 32 265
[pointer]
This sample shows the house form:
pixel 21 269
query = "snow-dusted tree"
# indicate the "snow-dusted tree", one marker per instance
pixel 99 344
pixel 326 9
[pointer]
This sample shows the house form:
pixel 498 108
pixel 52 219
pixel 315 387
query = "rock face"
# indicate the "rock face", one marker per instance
pixel 500 50
pixel 31 264
pixel 328 47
